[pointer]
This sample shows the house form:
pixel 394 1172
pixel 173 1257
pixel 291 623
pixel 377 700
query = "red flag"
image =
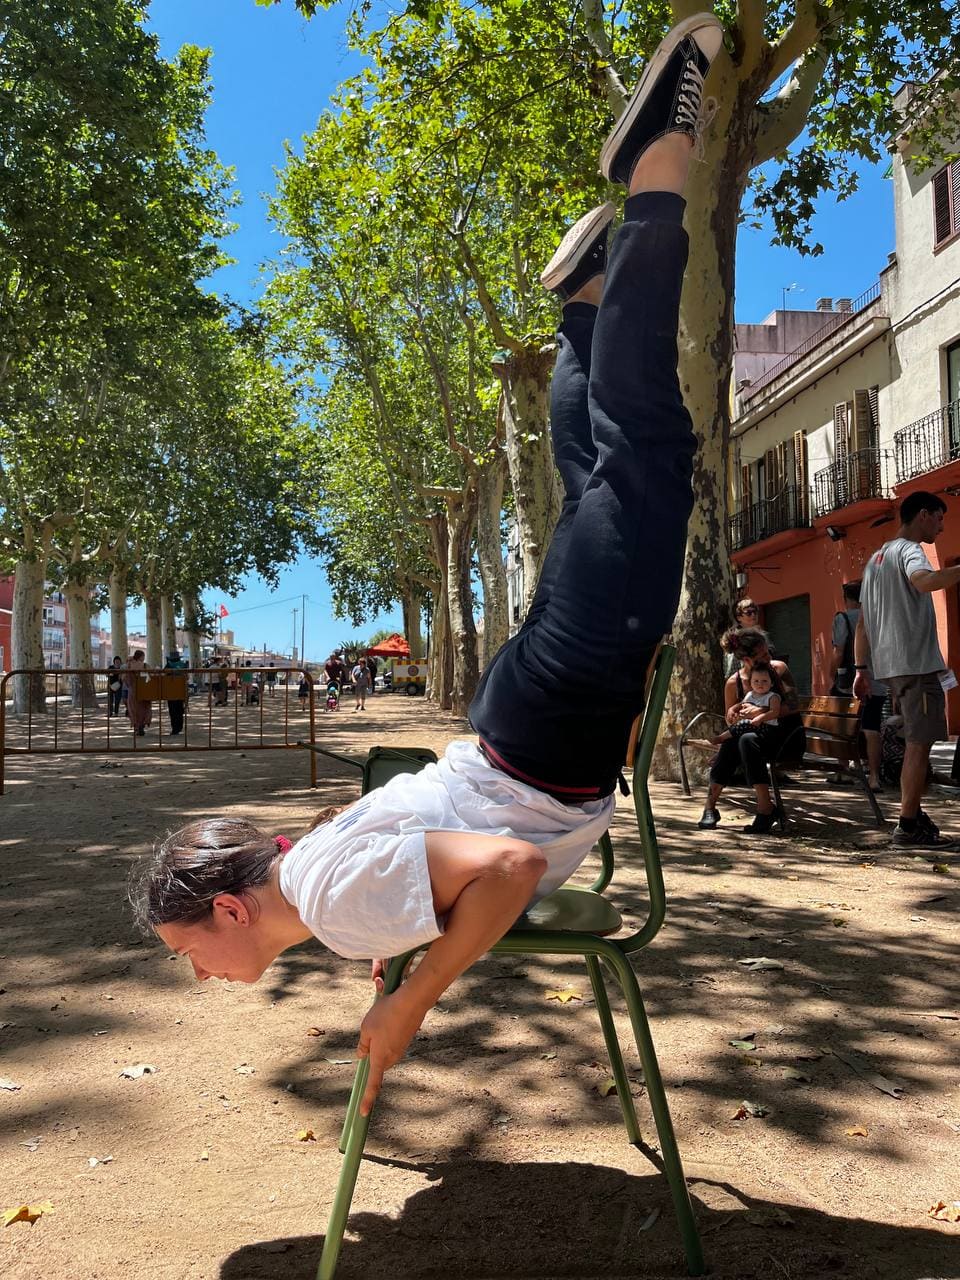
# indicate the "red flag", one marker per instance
pixel 224 611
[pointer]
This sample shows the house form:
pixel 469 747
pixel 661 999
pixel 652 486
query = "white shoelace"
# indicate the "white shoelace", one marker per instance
pixel 693 110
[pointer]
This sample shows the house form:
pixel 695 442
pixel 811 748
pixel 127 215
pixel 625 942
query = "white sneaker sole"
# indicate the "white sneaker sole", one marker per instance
pixel 582 233
pixel 710 46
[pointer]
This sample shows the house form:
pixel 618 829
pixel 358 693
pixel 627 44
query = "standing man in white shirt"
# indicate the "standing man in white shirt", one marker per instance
pixel 897 639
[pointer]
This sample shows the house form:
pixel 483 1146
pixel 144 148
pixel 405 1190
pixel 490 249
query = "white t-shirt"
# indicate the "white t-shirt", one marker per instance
pixel 360 883
pixel 900 620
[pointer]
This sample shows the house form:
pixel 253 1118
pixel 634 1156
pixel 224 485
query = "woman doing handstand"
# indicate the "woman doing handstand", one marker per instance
pixel 450 857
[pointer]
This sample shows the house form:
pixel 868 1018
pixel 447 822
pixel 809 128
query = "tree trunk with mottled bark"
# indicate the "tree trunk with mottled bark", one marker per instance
pixel 441 683
pixel 118 613
pixel 461 523
pixel 82 689
pixel 525 381
pixel 493 573
pixel 412 607
pixel 154 630
pixel 26 640
pixel 168 624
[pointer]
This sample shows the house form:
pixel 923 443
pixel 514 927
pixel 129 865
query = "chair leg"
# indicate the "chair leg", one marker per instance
pixel 661 1112
pixel 613 1050
pixel 356 1093
pixel 353 1138
pixel 857 771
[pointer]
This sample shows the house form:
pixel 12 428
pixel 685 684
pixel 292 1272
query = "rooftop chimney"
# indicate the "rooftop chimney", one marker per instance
pixel 844 304
pixel 824 304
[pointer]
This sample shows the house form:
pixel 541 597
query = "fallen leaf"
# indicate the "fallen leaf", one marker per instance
pixel 649 1220
pixel 340 1062
pixel 547 1057
pixel 794 1073
pixel 918 919
pixel 314 1031
pixel 8 1084
pixel 141 1069
pixel 944 1212
pixel 839 922
pixel 32 1143
pixel 244 1069
pixel 606 1087
pixel 873 1078
pixel 306 1135
pixel 748 1109
pixel 501 1119
pixel 565 996
pixel 93 1161
pixel 746 1045
pixel 27 1213
pixel 858 1131
pixel 759 964
pixel 941 868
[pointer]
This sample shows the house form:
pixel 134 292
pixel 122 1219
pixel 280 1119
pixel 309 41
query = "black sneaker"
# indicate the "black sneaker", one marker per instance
pixel 581 255
pixel 709 819
pixel 669 97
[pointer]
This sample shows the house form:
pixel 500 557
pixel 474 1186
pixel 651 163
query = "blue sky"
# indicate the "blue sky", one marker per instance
pixel 273 74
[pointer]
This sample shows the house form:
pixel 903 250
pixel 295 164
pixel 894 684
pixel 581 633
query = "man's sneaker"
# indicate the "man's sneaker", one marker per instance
pixel 582 253
pixel 925 835
pixel 669 97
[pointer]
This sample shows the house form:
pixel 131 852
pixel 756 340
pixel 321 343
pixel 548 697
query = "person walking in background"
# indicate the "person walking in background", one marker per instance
pixel 360 675
pixel 842 672
pixel 114 687
pixel 896 641
pixel 140 710
pixel 271 681
pixel 372 667
pixel 246 681
pixel 175 706
pixel 303 689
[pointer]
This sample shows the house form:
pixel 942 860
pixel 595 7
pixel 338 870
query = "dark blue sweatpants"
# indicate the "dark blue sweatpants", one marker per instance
pixel 555 705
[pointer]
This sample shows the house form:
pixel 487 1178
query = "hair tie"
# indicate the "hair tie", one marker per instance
pixel 283 844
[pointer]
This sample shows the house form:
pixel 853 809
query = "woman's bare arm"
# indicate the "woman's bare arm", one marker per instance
pixel 481 884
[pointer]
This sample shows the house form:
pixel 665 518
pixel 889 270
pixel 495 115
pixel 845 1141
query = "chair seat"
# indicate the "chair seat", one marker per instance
pixel 574 910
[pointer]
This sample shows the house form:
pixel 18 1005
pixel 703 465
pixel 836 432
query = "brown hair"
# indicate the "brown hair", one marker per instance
pixel 178 882
pixel 764 668
pixel 745 603
pixel 744 642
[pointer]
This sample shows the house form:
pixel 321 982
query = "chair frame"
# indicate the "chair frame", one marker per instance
pixel 603 956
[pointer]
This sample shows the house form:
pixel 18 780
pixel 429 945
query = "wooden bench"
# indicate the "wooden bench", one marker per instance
pixel 832 727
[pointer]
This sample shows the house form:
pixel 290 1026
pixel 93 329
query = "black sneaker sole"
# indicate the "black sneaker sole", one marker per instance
pixel 575 244
pixel 662 55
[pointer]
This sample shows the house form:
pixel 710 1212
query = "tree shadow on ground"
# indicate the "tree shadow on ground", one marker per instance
pixel 480 1220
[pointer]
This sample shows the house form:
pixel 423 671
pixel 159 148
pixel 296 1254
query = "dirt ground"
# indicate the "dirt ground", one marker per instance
pixel 493 1152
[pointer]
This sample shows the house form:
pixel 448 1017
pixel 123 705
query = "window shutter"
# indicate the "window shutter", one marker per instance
pixel 955 196
pixel 746 487
pixel 841 429
pixel 800 475
pixel 942 221
pixel 862 436
pixel 770 473
pixel 874 396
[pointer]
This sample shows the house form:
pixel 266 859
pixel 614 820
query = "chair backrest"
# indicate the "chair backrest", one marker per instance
pixel 646 741
pixel 384 763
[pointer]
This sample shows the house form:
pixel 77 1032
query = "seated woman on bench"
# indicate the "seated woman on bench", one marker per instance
pixel 450 857
pixel 749 749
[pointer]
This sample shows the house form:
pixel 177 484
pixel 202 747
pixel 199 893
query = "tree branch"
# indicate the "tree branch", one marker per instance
pixel 483 295
pixel 749 30
pixel 596 33
pixel 783 121
pixel 802 35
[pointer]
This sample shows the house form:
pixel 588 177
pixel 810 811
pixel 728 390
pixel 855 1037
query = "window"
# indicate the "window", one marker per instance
pixel 946 203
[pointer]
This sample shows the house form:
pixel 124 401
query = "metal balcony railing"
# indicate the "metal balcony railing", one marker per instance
pixel 789 508
pixel 833 320
pixel 863 474
pixel 928 443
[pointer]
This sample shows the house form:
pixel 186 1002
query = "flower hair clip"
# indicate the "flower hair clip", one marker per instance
pixel 283 844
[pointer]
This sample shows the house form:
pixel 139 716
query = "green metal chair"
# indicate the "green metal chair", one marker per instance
pixel 571 921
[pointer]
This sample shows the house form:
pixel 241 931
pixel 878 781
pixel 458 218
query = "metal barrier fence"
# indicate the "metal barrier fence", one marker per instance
pixel 92 725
